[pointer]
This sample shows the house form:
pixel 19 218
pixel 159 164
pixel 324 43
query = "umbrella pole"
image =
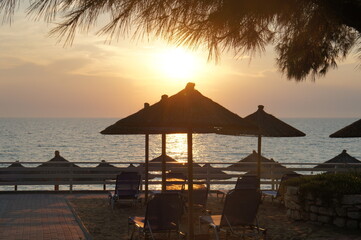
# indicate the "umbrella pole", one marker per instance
pixel 259 156
pixel 164 178
pixel 146 166
pixel 190 186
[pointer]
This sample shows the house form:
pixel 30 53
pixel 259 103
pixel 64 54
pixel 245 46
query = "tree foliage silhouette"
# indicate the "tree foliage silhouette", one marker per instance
pixel 309 36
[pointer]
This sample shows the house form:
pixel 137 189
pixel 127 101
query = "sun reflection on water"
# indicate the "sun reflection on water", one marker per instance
pixel 178 149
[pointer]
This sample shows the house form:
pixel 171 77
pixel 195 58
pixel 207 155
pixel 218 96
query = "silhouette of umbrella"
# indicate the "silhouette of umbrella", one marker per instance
pixel 16 164
pixel 185 112
pixel 352 130
pixel 343 157
pixel 156 163
pixel 104 167
pixel 17 168
pixel 270 126
pixel 271 170
pixel 56 162
pixel 208 169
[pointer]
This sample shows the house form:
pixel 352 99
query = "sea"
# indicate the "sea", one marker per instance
pixel 79 140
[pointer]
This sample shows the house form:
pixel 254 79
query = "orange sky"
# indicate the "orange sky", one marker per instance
pixel 40 78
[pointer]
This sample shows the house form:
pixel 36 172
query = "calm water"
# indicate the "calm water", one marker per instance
pixel 79 140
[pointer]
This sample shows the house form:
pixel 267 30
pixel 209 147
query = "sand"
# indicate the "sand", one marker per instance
pixel 104 223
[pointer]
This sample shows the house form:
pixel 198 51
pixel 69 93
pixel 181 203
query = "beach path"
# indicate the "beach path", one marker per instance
pixel 38 216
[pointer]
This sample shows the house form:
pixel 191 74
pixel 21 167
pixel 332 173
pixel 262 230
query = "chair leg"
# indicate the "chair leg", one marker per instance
pixel 131 236
pixel 217 234
pixel 112 202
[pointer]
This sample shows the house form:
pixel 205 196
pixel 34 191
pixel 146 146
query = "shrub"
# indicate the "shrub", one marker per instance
pixel 327 186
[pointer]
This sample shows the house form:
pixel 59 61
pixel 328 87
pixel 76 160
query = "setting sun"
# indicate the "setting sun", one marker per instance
pixel 178 63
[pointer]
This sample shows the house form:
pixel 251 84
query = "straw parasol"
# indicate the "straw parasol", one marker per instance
pixel 57 161
pixel 270 126
pixel 271 170
pixel 104 167
pixel 185 112
pixel 156 163
pixel 17 168
pixel 352 130
pixel 16 164
pixel 207 168
pixel 343 157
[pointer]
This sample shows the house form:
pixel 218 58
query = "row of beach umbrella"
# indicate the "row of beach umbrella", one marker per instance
pixel 271 168
pixel 190 112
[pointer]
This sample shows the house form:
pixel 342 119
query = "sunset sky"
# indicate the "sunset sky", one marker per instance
pixel 41 78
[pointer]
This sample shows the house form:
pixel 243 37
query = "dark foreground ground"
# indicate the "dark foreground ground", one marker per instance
pixel 104 223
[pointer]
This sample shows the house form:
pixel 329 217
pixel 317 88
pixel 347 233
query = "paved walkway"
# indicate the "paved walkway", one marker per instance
pixel 40 216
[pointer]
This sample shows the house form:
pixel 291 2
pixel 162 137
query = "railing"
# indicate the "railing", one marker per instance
pixel 73 175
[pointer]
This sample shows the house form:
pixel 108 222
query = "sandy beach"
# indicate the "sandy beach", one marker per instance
pixel 104 223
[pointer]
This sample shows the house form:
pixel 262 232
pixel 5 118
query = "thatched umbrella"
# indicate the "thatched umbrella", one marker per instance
pixel 58 161
pixel 104 167
pixel 185 112
pixel 105 164
pixel 343 157
pixel 270 126
pixel 350 131
pixel 17 168
pixel 16 164
pixel 271 170
pixel 208 169
pixel 156 163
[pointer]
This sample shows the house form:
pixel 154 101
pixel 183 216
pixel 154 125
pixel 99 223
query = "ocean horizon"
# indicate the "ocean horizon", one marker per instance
pixel 79 140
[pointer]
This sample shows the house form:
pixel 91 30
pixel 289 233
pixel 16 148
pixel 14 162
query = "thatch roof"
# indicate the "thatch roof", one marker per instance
pixel 156 163
pixel 57 161
pixel 343 157
pixel 219 174
pixel 183 112
pixel 273 169
pixel 16 164
pixel 270 126
pixel 352 130
pixel 104 164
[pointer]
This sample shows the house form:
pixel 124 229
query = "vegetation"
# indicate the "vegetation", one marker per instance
pixel 310 36
pixel 327 186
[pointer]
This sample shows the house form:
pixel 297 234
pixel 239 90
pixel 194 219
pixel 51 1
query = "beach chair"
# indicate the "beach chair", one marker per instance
pixel 127 187
pixel 278 194
pixel 162 216
pixel 248 182
pixel 239 211
pixel 200 196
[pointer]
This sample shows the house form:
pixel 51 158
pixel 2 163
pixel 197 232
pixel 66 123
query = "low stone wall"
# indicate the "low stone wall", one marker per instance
pixel 345 215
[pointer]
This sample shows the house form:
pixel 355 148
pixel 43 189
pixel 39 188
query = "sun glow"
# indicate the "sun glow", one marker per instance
pixel 178 63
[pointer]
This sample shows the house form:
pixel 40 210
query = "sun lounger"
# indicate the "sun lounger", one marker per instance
pixel 278 194
pixel 127 187
pixel 162 216
pixel 240 210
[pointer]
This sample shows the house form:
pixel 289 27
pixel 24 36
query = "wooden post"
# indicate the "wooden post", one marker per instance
pixel 71 178
pixel 164 178
pixel 190 186
pixel 146 167
pixel 208 181
pixel 259 156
